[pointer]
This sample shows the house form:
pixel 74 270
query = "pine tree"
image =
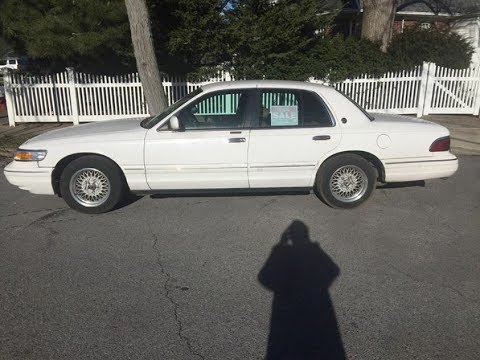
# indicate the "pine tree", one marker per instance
pixel 275 38
pixel 59 33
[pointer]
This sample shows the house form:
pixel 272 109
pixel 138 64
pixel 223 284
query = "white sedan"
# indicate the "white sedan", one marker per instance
pixel 236 135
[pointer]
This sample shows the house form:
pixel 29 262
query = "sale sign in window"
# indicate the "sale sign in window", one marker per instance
pixel 284 115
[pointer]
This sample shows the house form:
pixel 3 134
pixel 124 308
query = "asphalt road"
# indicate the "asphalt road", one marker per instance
pixel 181 277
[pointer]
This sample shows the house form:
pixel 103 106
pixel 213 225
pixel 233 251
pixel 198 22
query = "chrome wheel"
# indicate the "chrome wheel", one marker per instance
pixel 348 183
pixel 90 187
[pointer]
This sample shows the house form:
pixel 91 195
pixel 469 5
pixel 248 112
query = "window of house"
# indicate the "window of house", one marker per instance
pixel 426 26
pixel 293 108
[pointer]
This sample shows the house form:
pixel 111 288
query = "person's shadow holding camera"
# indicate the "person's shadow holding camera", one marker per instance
pixel 303 322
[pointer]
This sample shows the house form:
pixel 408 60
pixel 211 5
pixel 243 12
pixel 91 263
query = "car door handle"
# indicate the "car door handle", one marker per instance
pixel 321 137
pixel 236 140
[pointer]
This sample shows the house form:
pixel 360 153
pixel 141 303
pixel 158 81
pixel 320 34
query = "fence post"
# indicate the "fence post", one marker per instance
pixel 476 106
pixel 227 76
pixel 73 95
pixel 422 92
pixel 429 90
pixel 7 82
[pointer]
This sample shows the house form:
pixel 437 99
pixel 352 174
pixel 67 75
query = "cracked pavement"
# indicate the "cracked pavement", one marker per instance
pixel 176 277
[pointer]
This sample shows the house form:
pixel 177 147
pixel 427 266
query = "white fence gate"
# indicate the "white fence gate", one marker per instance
pixel 452 91
pixel 78 97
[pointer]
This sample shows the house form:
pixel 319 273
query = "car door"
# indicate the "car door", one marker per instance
pixel 210 150
pixel 294 130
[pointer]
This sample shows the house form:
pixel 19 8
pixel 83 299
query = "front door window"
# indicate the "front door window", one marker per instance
pixel 218 110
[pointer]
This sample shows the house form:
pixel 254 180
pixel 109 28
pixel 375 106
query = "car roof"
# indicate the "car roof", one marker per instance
pixel 241 84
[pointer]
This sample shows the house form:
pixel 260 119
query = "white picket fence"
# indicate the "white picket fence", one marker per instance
pixel 427 89
pixel 397 93
pixel 77 97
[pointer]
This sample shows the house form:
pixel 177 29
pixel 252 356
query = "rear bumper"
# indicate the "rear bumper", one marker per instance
pixel 420 170
pixel 28 176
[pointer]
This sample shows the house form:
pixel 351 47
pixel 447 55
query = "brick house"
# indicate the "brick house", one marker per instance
pixel 462 16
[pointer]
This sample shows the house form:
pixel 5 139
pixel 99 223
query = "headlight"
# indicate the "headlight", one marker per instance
pixel 30 155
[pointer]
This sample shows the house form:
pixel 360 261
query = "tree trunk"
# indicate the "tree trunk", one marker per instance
pixel 377 21
pixel 145 55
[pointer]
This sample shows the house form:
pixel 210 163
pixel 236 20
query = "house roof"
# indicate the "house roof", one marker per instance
pixel 451 7
pixel 439 6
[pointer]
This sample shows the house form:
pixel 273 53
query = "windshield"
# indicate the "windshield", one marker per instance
pixel 151 121
pixel 367 114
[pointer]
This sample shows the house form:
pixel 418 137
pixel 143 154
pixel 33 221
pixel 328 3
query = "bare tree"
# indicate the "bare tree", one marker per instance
pixel 377 20
pixel 144 50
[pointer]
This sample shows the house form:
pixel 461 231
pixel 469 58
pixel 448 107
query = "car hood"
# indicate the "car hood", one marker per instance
pixel 402 123
pixel 98 131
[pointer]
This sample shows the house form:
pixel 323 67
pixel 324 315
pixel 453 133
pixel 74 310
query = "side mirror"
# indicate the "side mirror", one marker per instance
pixel 175 124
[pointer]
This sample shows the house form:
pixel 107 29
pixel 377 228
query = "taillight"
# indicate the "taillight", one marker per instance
pixel 441 144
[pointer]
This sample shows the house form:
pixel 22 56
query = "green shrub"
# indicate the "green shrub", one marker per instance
pixel 331 58
pixel 336 58
pixel 414 46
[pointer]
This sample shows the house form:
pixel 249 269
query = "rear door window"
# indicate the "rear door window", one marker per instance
pixel 280 108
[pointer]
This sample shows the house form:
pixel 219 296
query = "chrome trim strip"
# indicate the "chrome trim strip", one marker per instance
pixel 134 168
pixel 26 172
pixel 279 166
pixel 188 168
pixel 421 161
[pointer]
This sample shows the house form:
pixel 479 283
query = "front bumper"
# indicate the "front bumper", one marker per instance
pixel 28 176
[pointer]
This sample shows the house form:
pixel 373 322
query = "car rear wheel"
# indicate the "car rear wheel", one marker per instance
pixel 345 181
pixel 92 184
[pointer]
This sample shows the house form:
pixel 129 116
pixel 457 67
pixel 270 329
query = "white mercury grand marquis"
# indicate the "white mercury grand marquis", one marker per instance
pixel 236 135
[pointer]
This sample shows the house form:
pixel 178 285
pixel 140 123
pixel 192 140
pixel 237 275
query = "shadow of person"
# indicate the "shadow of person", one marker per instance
pixel 303 323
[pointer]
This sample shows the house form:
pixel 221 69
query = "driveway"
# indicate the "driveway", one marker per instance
pixel 213 277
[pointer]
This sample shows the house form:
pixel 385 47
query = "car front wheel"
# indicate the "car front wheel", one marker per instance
pixel 346 181
pixel 92 184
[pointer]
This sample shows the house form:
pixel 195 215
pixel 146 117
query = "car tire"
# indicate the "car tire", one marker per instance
pixel 92 184
pixel 345 181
